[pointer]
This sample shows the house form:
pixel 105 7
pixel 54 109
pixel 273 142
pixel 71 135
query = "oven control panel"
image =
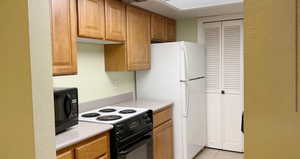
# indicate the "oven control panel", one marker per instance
pixel 134 125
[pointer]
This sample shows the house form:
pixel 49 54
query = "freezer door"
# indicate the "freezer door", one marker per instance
pixel 195 119
pixel 193 60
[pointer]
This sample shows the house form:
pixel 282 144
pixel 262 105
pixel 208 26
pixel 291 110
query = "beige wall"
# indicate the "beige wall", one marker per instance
pixel 21 133
pixel 186 30
pixel 41 76
pixel 272 125
pixel 92 80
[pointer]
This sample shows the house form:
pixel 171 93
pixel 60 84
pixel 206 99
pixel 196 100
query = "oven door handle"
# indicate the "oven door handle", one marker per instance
pixel 145 140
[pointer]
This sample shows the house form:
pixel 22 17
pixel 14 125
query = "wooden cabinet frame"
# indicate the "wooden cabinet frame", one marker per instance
pixel 94 147
pixel 64 34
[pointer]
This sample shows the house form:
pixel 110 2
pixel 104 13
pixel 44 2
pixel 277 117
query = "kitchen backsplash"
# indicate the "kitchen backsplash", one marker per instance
pixel 92 81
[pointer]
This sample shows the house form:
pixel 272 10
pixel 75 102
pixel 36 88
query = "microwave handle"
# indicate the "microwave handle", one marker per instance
pixel 146 139
pixel 68 105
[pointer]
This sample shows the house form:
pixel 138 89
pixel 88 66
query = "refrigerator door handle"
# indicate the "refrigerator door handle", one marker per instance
pixel 186 62
pixel 187 100
pixel 197 78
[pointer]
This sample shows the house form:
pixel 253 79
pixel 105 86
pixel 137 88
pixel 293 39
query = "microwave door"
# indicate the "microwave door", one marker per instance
pixel 68 105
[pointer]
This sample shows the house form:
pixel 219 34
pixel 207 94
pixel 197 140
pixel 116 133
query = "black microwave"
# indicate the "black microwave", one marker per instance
pixel 66 108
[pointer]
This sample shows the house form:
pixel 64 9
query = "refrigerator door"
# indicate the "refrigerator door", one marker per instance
pixel 193 61
pixel 195 119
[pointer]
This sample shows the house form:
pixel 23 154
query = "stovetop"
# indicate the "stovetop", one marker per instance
pixel 110 114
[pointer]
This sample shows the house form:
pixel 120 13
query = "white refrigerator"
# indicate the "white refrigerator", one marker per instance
pixel 178 74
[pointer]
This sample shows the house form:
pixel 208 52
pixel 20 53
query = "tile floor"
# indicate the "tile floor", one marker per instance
pixel 218 154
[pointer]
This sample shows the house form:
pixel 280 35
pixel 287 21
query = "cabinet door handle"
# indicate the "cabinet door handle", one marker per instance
pixel 222 92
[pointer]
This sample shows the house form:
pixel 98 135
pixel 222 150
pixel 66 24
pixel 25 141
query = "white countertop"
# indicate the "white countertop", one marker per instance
pixel 154 105
pixel 80 132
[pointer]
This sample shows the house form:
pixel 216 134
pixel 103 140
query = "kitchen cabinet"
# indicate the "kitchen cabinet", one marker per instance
pixel 97 147
pixel 158 32
pixel 170 25
pixel 102 19
pixel 63 21
pixel 66 155
pixel 115 19
pixel 162 29
pixel 163 134
pixel 91 19
pixel 135 53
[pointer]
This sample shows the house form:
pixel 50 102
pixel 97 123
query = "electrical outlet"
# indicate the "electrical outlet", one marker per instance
pixel 116 83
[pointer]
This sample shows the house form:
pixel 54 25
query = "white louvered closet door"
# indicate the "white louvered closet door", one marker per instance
pixel 225 84
pixel 232 85
pixel 213 43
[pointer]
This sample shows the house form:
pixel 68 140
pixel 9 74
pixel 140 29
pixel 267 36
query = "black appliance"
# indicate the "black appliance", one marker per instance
pixel 132 138
pixel 66 108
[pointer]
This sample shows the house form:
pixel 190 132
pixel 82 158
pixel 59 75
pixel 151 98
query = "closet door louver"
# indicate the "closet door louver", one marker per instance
pixel 232 57
pixel 213 35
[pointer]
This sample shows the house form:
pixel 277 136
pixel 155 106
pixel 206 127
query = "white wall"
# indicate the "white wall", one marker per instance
pixel 186 30
pixel 92 80
pixel 41 73
pixel 201 32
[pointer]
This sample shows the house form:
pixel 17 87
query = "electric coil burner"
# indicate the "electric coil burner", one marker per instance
pixel 131 137
pixel 127 111
pixel 108 110
pixel 109 117
pixel 90 115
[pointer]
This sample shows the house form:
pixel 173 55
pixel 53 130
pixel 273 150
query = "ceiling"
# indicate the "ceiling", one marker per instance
pixel 180 9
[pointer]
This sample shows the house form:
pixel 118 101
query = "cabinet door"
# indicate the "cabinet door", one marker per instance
pixel 64 37
pixel 163 141
pixel 93 149
pixel 91 20
pixel 66 155
pixel 138 39
pixel 115 20
pixel 170 25
pixel 157 28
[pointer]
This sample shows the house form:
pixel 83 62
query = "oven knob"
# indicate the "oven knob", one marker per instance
pixel 118 127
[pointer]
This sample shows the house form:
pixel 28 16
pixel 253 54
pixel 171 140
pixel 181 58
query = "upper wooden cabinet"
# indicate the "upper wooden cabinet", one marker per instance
pixel 162 29
pixel 102 19
pixel 64 35
pixel 138 38
pixel 135 53
pixel 157 28
pixel 91 20
pixel 115 13
pixel 170 29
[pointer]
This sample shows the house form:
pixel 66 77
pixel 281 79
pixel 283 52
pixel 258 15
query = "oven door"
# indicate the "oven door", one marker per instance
pixel 140 149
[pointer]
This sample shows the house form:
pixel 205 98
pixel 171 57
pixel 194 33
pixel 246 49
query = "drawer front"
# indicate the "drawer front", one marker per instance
pixel 103 157
pixel 93 149
pixel 66 155
pixel 162 116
